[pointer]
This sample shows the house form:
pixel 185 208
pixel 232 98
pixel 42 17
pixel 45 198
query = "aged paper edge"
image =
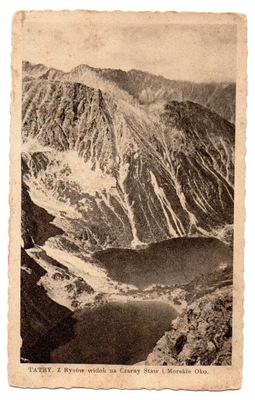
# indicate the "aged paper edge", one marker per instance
pixel 217 378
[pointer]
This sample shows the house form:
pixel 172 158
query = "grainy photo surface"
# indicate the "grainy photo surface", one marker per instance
pixel 126 129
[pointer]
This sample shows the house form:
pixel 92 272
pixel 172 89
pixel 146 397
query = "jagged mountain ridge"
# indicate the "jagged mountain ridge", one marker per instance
pixel 149 89
pixel 84 74
pixel 30 70
pixel 143 87
pixel 176 168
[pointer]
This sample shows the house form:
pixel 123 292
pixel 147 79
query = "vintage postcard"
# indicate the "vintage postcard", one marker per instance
pixel 127 200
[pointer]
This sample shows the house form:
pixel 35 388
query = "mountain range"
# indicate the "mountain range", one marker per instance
pixel 116 162
pixel 148 89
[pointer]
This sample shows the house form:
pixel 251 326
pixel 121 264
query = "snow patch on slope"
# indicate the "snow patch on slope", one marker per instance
pixel 95 276
pixel 91 179
pixel 166 206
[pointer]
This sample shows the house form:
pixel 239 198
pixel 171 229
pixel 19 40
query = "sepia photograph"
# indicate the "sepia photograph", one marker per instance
pixel 126 148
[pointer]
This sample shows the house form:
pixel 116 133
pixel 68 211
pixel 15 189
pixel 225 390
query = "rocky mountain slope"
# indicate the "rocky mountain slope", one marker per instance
pixel 202 334
pixel 124 187
pixel 138 170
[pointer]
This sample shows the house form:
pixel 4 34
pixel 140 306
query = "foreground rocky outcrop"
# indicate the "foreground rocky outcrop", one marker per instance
pixel 202 334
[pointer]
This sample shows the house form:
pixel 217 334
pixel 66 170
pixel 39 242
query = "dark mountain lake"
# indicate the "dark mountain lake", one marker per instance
pixel 172 261
pixel 115 333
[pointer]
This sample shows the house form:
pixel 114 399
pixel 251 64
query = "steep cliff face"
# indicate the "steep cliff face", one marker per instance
pixel 39 314
pixel 32 232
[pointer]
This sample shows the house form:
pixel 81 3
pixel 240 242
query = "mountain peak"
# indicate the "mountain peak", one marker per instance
pixel 82 68
pixel 33 69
